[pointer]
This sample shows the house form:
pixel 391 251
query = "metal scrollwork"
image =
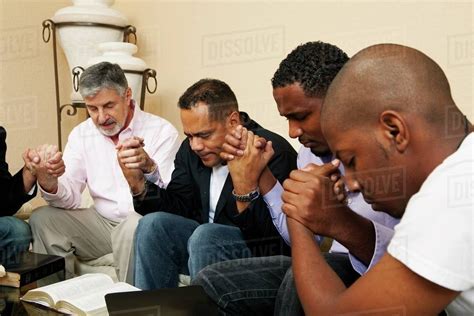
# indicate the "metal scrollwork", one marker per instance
pixel 76 73
pixel 48 25
pixel 150 73
pixel 130 31
pixel 70 112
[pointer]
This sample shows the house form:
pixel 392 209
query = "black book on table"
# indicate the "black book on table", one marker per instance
pixel 29 267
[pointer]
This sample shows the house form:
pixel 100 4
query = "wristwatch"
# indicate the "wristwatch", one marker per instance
pixel 249 197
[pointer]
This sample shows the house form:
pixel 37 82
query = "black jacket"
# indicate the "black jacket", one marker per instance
pixel 12 191
pixel 187 194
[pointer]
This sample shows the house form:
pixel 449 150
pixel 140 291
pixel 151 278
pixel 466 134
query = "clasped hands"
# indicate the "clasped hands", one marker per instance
pixel 45 164
pixel 247 155
pixel 135 163
pixel 314 196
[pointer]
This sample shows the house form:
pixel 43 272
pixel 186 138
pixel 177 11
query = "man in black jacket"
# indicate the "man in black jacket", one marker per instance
pixel 207 213
pixel 15 190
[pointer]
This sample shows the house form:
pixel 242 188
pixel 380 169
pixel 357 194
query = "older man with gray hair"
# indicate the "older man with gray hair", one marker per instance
pixel 115 124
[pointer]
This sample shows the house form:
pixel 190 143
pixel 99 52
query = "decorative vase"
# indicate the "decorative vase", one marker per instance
pixel 84 25
pixel 122 54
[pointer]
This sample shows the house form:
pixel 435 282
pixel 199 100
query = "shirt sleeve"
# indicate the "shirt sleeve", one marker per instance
pixel 435 236
pixel 383 235
pixel 274 204
pixel 162 150
pixel 73 181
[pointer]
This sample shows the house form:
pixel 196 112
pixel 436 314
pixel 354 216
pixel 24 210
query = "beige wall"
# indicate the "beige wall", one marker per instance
pixel 240 42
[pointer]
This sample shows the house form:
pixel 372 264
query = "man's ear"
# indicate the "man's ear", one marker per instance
pixel 128 94
pixel 394 128
pixel 233 119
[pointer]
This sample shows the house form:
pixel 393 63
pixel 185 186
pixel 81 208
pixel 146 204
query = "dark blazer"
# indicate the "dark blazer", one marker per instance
pixel 12 191
pixel 187 194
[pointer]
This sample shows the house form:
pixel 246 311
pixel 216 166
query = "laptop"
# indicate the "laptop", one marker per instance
pixel 182 301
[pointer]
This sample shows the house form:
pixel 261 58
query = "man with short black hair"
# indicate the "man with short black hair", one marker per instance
pixel 209 212
pixel 360 234
pixel 390 112
pixel 116 123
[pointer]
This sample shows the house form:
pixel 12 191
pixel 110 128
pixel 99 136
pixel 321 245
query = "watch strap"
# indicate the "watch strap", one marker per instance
pixel 249 197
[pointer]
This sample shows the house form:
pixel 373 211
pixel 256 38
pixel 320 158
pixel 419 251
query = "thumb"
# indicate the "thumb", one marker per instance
pixel 325 170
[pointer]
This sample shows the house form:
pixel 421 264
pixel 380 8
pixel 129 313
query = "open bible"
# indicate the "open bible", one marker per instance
pixel 83 295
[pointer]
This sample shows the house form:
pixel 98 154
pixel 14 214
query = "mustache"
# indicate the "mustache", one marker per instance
pixel 108 122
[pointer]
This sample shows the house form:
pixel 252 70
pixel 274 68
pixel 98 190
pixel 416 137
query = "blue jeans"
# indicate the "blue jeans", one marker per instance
pixel 262 286
pixel 15 237
pixel 167 245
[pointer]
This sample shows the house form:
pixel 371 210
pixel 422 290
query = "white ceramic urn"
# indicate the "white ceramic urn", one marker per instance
pixel 122 54
pixel 80 42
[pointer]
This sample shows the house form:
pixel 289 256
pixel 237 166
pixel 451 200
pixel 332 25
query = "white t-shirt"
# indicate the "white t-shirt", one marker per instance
pixel 435 236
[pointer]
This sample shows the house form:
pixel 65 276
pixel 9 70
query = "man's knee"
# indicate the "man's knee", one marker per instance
pixel 128 227
pixel 203 235
pixel 212 234
pixel 14 228
pixel 155 225
pixel 42 216
pixel 152 222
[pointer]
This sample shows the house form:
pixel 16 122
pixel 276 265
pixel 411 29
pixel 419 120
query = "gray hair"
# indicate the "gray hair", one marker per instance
pixel 100 76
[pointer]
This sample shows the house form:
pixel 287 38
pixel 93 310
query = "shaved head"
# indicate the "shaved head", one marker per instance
pixel 387 77
pixel 386 116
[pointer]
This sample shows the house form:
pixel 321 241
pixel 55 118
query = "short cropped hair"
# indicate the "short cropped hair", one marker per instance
pixel 216 94
pixel 100 76
pixel 312 65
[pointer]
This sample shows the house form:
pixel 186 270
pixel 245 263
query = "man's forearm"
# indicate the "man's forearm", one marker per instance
pixel 29 180
pixel 356 233
pixel 315 281
pixel 266 181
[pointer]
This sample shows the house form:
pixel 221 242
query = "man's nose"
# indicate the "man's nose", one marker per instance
pixel 294 130
pixel 196 144
pixel 351 182
pixel 102 117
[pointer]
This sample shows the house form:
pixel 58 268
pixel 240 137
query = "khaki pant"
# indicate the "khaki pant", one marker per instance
pixel 84 234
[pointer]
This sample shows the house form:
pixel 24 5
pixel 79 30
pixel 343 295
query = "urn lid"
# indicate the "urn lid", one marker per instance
pixel 92 11
pixel 119 53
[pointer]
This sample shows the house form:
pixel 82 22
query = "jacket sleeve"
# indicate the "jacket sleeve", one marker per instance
pixel 74 180
pixel 179 197
pixel 12 189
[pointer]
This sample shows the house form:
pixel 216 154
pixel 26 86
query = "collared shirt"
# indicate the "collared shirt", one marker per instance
pixel 383 223
pixel 91 159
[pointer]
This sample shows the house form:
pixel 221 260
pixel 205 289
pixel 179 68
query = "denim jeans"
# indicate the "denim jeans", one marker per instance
pixel 262 286
pixel 15 237
pixel 167 245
